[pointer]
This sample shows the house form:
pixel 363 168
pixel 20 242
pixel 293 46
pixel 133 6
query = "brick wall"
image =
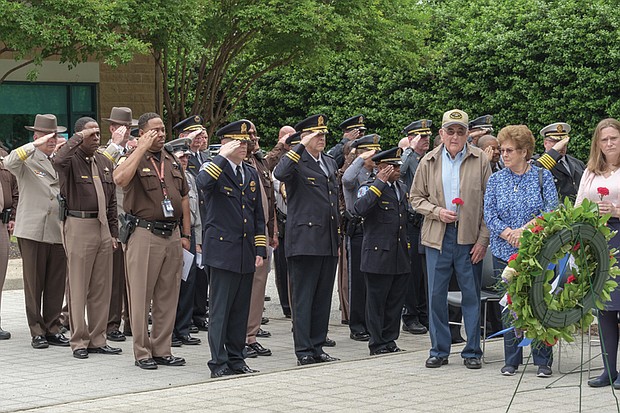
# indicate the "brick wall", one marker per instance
pixel 131 85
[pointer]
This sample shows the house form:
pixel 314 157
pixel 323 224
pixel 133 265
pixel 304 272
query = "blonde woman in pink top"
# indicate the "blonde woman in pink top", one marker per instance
pixel 602 172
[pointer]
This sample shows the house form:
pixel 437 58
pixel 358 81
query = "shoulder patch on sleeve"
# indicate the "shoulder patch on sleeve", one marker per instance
pixel 362 191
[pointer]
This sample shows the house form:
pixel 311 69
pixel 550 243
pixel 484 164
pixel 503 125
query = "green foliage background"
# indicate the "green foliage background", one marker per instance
pixel 524 61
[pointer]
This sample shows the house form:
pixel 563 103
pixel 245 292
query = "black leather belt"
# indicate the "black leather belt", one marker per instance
pixel 161 228
pixel 82 214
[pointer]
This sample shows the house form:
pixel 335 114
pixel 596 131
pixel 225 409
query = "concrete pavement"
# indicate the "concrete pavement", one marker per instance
pixel 51 380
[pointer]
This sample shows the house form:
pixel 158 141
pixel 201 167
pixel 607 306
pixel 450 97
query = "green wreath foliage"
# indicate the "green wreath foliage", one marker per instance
pixel 535 310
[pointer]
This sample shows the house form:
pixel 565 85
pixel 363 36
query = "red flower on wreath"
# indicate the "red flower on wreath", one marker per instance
pixel 571 279
pixel 537 229
pixel 577 246
pixel 513 257
pixel 508 299
pixel 602 191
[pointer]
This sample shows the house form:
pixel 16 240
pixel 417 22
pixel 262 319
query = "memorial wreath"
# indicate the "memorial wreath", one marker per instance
pixel 547 315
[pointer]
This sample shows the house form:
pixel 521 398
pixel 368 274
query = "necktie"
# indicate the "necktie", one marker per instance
pixel 323 168
pixel 565 163
pixel 239 176
pixel 393 186
pixel 101 204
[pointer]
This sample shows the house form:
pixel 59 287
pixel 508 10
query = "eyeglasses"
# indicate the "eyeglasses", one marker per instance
pixel 509 151
pixel 458 132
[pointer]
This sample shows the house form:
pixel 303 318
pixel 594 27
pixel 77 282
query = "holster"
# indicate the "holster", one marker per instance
pixel 62 207
pixel 6 215
pixel 127 227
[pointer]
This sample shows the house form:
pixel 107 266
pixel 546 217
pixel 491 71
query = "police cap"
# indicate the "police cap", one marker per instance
pixel 235 130
pixel 391 156
pixel 354 122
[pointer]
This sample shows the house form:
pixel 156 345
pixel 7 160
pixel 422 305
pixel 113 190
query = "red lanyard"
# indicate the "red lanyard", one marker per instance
pixel 160 175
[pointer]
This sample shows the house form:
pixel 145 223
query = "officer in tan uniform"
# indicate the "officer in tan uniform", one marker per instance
pixel 8 203
pixel 156 198
pixel 38 232
pixel 89 236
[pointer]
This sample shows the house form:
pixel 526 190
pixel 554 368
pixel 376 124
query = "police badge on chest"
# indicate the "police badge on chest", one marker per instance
pixel 167 208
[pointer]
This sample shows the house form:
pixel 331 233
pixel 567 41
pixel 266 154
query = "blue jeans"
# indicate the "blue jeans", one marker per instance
pixel 441 264
pixel 513 354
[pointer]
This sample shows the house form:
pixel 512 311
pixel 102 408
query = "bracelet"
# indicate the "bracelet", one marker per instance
pixel 185 236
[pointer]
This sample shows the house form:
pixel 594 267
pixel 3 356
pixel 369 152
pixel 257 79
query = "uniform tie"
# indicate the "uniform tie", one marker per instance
pixel 101 204
pixel 323 168
pixel 239 176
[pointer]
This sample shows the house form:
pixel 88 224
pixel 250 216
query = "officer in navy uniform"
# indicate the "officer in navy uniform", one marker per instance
pixel 478 127
pixel 415 311
pixel 385 256
pixel 352 129
pixel 234 243
pixel 566 170
pixel 359 172
pixel 193 129
pixel 311 236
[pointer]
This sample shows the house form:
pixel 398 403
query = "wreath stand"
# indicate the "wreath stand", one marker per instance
pixel 584 234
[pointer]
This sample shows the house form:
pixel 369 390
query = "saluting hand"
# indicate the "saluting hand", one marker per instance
pixel 43 139
pixel 561 144
pixel 229 148
pixel 414 142
pixel 86 133
pixel 119 134
pixel 367 154
pixel 306 139
pixel 384 174
pixel 488 151
pixel 145 141
pixel 194 134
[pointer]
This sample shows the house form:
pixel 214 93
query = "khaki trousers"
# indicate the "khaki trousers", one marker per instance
pixel 4 259
pixel 257 302
pixel 44 268
pixel 118 296
pixel 153 265
pixel 89 275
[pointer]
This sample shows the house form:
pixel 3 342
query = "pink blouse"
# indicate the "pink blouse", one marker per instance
pixel 590 182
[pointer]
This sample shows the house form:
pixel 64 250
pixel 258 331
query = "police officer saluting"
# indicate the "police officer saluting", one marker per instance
pixel 311 236
pixel 156 197
pixel 385 259
pixel 234 245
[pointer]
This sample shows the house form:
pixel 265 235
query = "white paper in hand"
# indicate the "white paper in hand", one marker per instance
pixel 188 260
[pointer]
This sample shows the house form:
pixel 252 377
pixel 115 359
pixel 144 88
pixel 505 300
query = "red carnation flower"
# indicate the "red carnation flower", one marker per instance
pixel 537 229
pixel 457 201
pixel 577 246
pixel 571 278
pixel 508 299
pixel 602 191
pixel 513 257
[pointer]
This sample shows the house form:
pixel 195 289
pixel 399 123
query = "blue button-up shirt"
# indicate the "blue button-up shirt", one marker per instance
pixel 451 173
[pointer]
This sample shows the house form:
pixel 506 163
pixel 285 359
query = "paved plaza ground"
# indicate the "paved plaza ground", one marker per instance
pixel 51 380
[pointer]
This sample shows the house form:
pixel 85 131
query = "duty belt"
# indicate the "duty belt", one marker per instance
pixel 161 228
pixel 82 214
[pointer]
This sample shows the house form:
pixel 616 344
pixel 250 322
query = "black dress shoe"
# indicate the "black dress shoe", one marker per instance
pixel 221 373
pixel 357 336
pixel 176 342
pixel 80 353
pixel 4 335
pixel 394 349
pixel 250 353
pixel 202 325
pixel 264 320
pixel 415 327
pixel 146 364
pixel 189 340
pixel 305 360
pixel 383 350
pixel 193 329
pixel 57 339
pixel 458 340
pixel 600 381
pixel 345 322
pixel 329 342
pixel 39 342
pixel 116 335
pixel 325 358
pixel 169 360
pixel 435 362
pixel 472 363
pixel 127 332
pixel 244 369
pixel 263 333
pixel 259 349
pixel 105 350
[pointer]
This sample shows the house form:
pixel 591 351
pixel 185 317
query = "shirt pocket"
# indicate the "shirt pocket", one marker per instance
pixel 149 179
pixel 387 214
